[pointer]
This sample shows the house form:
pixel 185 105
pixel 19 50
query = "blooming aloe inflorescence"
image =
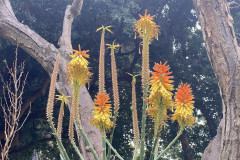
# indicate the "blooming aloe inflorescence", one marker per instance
pixel 184 105
pixel 147 30
pixel 78 75
pixel 160 98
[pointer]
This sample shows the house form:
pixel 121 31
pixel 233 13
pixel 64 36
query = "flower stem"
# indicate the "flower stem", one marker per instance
pixel 104 144
pixel 145 85
pixel 174 140
pixel 76 149
pixel 87 140
pixel 59 142
pixel 143 121
pixel 155 146
pixel 111 134
pixel 114 150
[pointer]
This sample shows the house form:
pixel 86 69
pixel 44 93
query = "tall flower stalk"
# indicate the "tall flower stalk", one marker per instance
pixel 101 120
pixel 78 75
pixel 135 118
pixel 50 106
pixel 102 58
pixel 160 99
pixel 183 112
pixel 147 30
pixel 113 47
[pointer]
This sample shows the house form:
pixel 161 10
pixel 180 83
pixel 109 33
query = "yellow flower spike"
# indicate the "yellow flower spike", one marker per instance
pixel 102 112
pixel 77 69
pixel 146 28
pixel 78 75
pixel 184 105
pixel 79 57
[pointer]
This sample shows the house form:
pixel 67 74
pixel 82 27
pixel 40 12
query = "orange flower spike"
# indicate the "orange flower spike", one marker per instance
pixel 183 99
pixel 184 105
pixel 161 79
pixel 102 112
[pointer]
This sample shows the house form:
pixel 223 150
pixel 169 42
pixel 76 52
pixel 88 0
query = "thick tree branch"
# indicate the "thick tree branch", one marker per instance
pixel 71 12
pixel 45 53
pixel 41 50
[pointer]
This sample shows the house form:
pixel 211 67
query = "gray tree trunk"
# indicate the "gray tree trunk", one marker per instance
pixel 224 54
pixel 45 53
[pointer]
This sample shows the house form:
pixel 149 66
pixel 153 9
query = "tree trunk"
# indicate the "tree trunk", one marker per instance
pixel 186 147
pixel 224 54
pixel 45 53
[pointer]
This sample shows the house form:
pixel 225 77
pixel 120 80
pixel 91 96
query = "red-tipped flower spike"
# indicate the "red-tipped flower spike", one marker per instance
pixel 102 112
pixel 160 97
pixel 184 105
pixel 161 80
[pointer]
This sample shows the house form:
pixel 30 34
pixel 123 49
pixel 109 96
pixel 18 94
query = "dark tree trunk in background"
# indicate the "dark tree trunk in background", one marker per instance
pixel 224 54
pixel 210 121
pixel 186 148
pixel 45 53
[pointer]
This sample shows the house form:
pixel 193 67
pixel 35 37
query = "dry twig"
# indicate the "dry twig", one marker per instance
pixel 11 104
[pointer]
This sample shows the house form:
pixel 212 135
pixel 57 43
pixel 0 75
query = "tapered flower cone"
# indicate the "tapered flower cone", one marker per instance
pixel 134 113
pixel 161 80
pixel 184 105
pixel 101 65
pixel 64 101
pixel 102 59
pixel 50 103
pixel 114 76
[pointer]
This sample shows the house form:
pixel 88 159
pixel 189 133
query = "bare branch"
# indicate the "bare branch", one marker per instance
pixel 233 4
pixel 12 106
pixel 71 12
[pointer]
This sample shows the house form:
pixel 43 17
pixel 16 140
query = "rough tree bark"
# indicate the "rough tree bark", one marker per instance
pixel 45 53
pixel 224 54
